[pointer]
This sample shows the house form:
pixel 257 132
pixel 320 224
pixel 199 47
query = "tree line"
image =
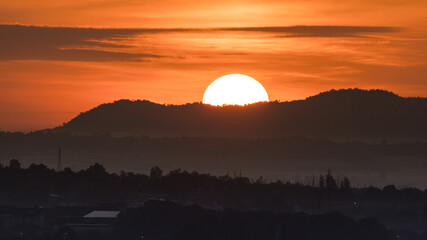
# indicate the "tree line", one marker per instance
pixel 40 184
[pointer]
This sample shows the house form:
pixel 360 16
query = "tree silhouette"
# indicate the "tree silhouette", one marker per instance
pixel 321 182
pixel 156 172
pixel 96 169
pixel 14 164
pixel 345 184
pixel 330 181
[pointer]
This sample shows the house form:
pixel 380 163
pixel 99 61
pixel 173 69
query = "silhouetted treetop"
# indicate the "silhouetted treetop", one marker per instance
pixel 351 95
pixel 15 164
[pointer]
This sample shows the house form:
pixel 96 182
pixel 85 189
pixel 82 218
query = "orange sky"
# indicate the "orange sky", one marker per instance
pixel 169 52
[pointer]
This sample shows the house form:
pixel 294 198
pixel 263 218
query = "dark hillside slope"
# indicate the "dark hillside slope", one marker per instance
pixel 351 114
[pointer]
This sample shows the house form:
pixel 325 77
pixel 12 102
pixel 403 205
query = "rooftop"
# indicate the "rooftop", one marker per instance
pixel 102 214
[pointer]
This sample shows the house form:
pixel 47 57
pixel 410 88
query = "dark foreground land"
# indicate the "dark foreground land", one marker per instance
pixel 158 219
pixel 41 203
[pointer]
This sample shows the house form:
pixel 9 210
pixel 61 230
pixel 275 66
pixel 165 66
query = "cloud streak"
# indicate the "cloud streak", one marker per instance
pixel 66 44
pixel 20 42
pixel 319 31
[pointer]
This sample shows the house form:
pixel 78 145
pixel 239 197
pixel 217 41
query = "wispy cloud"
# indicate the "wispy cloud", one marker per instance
pixel 20 42
pixel 319 31
pixel 67 44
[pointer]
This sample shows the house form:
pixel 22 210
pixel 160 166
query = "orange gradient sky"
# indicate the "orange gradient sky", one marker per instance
pixel 59 58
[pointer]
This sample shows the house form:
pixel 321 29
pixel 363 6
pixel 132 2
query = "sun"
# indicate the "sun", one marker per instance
pixel 234 89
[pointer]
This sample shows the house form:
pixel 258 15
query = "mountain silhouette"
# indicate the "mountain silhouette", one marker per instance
pixel 350 114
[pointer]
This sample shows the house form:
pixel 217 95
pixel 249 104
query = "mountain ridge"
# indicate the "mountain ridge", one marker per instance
pixel 352 114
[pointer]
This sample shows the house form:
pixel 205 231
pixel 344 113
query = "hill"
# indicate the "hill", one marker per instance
pixel 351 114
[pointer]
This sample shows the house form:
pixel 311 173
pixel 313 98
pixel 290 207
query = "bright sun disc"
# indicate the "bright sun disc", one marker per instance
pixel 234 89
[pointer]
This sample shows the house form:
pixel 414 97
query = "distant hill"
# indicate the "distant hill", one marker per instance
pixel 351 114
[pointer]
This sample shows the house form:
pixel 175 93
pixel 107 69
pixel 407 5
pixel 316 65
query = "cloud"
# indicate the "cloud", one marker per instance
pixel 319 31
pixel 20 42
pixel 67 44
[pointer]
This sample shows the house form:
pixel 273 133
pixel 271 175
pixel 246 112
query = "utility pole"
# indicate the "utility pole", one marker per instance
pixel 59 164
pixel 313 182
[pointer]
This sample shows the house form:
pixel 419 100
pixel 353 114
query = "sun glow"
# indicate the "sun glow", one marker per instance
pixel 234 89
